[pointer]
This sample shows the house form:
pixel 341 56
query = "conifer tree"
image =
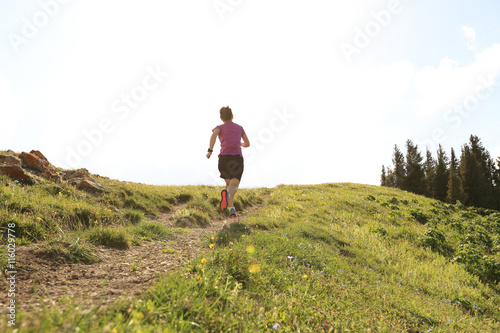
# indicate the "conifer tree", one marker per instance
pixel 440 189
pixel 469 175
pixel 476 174
pixel 496 183
pixel 415 176
pixel 430 174
pixel 383 177
pixel 399 172
pixel 474 179
pixel 455 190
pixel 391 179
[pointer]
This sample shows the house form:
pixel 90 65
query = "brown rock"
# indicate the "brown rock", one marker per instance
pixel 81 179
pixel 76 174
pixel 39 155
pixel 30 166
pixel 37 162
pixel 34 162
pixel 185 223
pixel 90 185
pixel 10 160
pixel 52 175
pixel 14 171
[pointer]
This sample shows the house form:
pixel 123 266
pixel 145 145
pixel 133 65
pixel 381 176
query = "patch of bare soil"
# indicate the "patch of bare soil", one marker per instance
pixel 120 273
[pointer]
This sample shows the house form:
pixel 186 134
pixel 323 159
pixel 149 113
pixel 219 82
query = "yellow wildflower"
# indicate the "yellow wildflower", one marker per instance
pixel 203 260
pixel 250 249
pixel 254 268
pixel 211 246
pixel 304 276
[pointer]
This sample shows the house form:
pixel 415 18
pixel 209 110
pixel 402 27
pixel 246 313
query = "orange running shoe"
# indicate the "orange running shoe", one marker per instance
pixel 223 202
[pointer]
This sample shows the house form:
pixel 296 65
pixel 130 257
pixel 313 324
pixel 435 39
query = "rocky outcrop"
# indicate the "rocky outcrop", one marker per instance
pixel 82 180
pixel 35 161
pixel 10 160
pixel 34 166
pixel 15 171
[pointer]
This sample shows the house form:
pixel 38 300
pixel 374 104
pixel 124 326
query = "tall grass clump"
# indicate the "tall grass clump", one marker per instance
pixel 109 237
pixel 72 250
pixel 134 216
pixel 153 231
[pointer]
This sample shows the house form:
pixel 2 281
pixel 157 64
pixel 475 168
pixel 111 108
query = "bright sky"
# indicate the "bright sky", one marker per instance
pixel 324 89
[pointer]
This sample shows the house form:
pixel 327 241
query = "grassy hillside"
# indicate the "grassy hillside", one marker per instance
pixel 123 215
pixel 325 258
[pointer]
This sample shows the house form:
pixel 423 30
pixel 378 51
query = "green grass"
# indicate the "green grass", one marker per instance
pixel 77 251
pixel 109 237
pixel 198 217
pixel 325 258
pixel 134 216
pixel 42 210
pixel 153 231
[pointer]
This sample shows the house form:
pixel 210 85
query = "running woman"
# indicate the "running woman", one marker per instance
pixel 230 158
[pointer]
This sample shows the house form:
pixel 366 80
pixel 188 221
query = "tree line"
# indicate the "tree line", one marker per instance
pixel 473 178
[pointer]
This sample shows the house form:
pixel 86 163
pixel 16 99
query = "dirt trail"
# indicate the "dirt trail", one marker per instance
pixel 48 280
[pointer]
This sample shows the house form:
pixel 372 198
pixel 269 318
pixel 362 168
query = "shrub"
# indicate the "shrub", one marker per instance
pixel 485 267
pixel 394 201
pixel 419 216
pixel 436 240
pixel 381 231
pixel 184 197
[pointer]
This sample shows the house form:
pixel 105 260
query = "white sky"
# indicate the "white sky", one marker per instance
pixel 324 89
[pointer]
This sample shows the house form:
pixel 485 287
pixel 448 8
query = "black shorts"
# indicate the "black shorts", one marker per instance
pixel 231 166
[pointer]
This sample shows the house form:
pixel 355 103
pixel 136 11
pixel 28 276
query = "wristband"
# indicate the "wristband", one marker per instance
pixel 210 150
